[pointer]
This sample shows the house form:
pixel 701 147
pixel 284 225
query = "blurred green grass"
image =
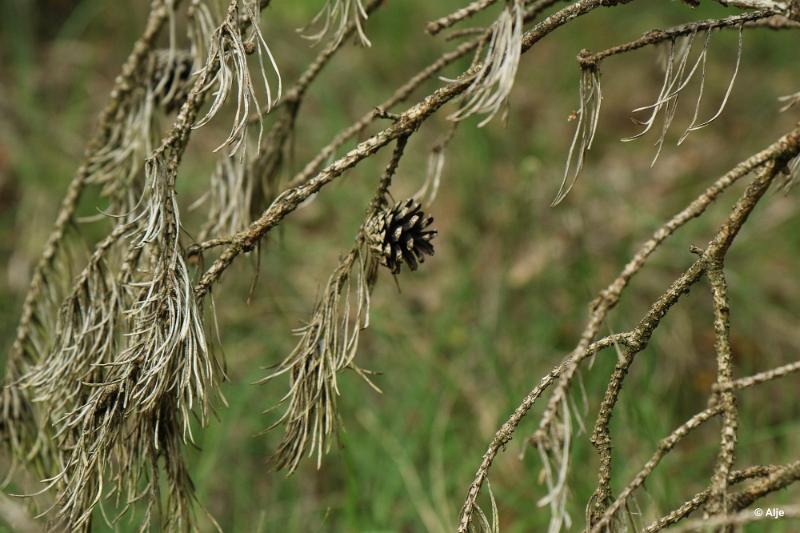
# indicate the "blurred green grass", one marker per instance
pixel 503 299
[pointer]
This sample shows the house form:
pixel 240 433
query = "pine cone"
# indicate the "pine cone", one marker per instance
pixel 400 235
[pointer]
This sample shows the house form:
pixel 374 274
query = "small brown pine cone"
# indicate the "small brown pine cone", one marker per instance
pixel 401 235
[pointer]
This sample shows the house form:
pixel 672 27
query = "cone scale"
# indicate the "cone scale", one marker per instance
pixel 400 235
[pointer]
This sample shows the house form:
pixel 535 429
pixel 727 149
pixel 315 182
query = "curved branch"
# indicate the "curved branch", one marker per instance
pixel 780 151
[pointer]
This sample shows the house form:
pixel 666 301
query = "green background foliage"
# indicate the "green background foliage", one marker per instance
pixel 461 341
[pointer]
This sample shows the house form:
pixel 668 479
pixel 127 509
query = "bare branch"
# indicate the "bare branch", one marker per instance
pixel 700 498
pixel 658 36
pixel 784 148
pixel 435 26
pixel 719 288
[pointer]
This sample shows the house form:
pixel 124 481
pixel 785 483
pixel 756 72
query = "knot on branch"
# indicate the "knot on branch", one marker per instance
pixel 600 438
pixel 194 252
pixel 587 60
pixel 380 112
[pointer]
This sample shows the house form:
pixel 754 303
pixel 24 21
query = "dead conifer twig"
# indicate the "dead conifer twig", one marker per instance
pixel 110 372
pixel 328 344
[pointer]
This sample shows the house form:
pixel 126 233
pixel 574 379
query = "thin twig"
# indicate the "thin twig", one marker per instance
pixel 658 36
pixel 435 26
pixel 696 501
pixel 668 443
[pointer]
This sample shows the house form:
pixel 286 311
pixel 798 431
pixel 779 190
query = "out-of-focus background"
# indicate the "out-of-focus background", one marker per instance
pixel 465 338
